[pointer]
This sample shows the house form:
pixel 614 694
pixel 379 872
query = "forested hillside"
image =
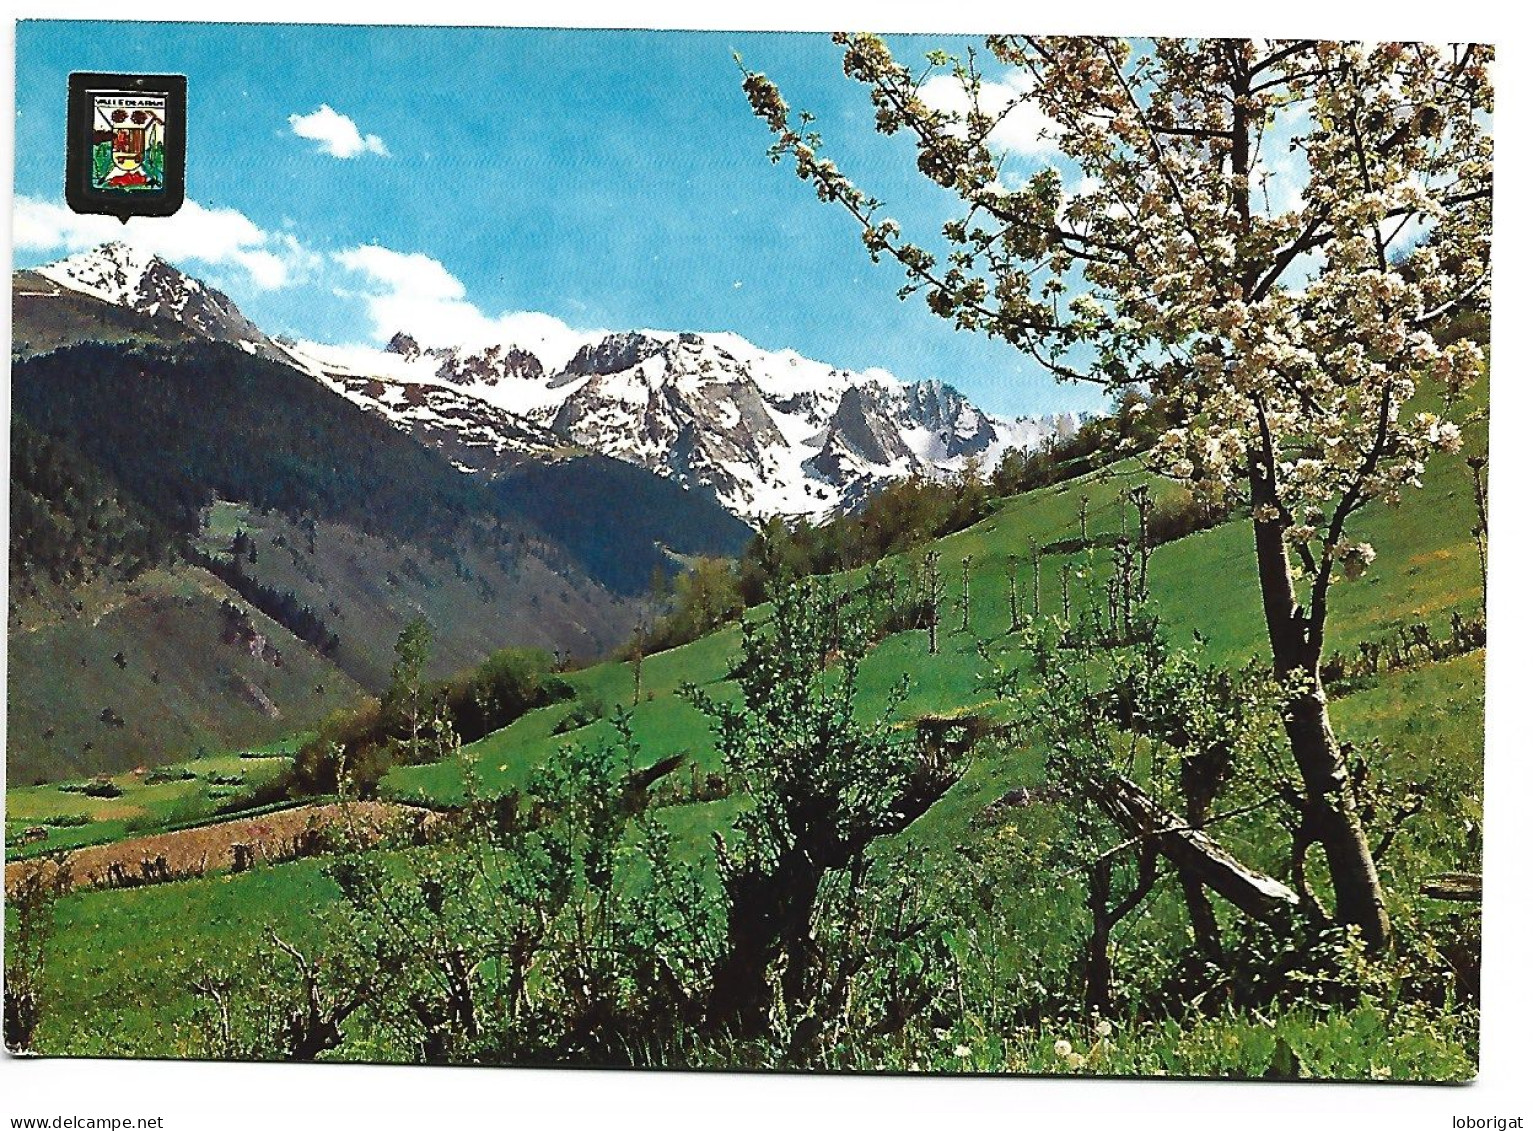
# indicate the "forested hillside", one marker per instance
pixel 346 530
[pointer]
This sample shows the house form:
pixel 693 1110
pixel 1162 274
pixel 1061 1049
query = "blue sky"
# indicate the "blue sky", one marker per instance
pixel 609 179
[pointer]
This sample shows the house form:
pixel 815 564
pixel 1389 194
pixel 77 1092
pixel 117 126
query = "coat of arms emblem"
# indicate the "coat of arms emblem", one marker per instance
pixel 127 144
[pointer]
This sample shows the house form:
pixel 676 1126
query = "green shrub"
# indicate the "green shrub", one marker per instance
pixel 588 709
pixel 271 792
pixel 65 820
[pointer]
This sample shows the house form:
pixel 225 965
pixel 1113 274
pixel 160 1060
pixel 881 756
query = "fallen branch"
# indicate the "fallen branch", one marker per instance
pixel 1193 851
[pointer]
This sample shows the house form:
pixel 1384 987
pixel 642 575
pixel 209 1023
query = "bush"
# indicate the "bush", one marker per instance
pixel 318 768
pixel 346 736
pixel 1179 513
pixel 65 820
pixel 702 599
pixel 588 710
pixel 270 792
pixel 374 735
pixel 502 689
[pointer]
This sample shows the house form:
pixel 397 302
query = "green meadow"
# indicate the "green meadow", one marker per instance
pixel 122 962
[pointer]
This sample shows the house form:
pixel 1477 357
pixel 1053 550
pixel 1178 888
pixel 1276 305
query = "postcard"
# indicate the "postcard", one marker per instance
pixel 851 553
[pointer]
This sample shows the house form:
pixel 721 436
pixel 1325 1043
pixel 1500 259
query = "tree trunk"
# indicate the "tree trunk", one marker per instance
pixel 1200 913
pixel 770 914
pixel 1329 803
pixel 1105 916
pixel 1332 809
pixel 1099 987
pixel 1011 593
pixel 965 599
pixel 1202 776
pixel 933 603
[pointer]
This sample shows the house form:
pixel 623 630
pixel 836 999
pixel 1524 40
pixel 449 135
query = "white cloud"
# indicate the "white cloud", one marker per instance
pixel 411 276
pixel 1020 126
pixel 220 237
pixel 336 133
pixel 415 293
pixel 399 290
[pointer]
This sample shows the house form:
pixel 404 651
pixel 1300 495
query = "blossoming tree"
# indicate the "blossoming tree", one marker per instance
pixel 1266 233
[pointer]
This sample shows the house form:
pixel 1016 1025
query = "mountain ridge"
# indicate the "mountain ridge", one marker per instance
pixel 764 433
pixel 123 275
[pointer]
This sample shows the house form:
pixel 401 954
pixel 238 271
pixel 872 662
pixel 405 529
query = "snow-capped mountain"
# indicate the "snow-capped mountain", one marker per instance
pixel 764 432
pixel 767 433
pixel 130 277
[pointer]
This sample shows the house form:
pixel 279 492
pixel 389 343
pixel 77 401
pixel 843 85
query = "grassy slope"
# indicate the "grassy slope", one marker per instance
pixel 1427 566
pixel 126 957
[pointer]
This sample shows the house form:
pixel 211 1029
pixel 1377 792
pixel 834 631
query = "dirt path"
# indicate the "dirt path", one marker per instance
pixel 228 845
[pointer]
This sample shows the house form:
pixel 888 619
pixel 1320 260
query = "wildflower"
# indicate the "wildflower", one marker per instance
pixel 961 1052
pixel 1075 1060
pixel 1104 1028
pixel 1062 1047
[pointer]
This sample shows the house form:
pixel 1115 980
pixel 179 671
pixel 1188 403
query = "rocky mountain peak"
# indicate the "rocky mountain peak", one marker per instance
pixel 129 276
pixel 862 427
pixel 489 366
pixel 404 345
pixel 959 427
pixel 112 272
pixel 613 354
